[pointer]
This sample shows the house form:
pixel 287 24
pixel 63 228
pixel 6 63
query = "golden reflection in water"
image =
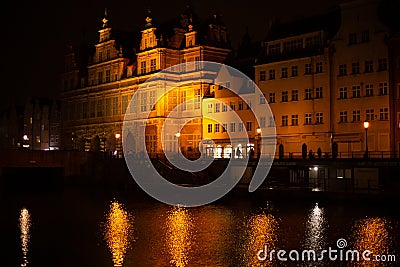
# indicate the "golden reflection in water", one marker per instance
pixel 118 232
pixel 315 229
pixel 372 234
pixel 24 226
pixel 179 235
pixel 261 231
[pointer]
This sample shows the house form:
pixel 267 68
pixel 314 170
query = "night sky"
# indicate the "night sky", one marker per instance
pixel 36 32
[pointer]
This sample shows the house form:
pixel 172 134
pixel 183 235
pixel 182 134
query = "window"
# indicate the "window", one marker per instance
pixel 284 72
pixel 343 93
pixel 232 127
pixel 115 110
pixel 382 64
pixel 108 107
pixel 356 89
pixel 100 56
pixel 124 103
pixel 271 74
pixel 285 120
pixel 100 77
pixel 240 105
pixel 197 63
pixel 384 114
pixel 224 108
pixel 92 109
pixel 274 48
pixel 355 67
pixel 108 75
pixel 233 105
pixel 318 92
pixel 383 88
pixel 263 122
pixel 285 96
pixel 295 120
pixel 143 67
pixel 197 99
pixel 308 94
pixel 217 107
pixel 143 101
pixel 249 125
pixel 369 115
pixel 209 128
pixel 210 108
pixel 295 95
pixel 262 75
pixel 356 115
pixel 153 100
pixel 99 108
pixel 271 97
pixel 262 99
pixel 365 36
pixel 271 121
pixel 295 71
pixel 369 66
pixel 318 67
pixel 342 70
pixel 241 127
pixel 108 54
pixel 343 116
pixel 216 128
pixel 308 68
pixel 308 118
pixel 369 90
pixel 352 38
pixel 153 64
pixel 319 118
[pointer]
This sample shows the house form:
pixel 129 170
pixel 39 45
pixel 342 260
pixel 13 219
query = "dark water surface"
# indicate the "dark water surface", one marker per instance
pixel 103 227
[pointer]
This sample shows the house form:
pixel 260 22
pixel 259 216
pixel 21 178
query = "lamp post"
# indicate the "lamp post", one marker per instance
pixel 366 126
pixel 258 141
pixel 117 137
pixel 178 134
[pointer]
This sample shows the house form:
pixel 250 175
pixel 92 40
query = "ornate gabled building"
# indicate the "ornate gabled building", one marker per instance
pixel 120 63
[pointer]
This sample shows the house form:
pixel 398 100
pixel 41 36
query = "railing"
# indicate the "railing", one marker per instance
pixel 340 155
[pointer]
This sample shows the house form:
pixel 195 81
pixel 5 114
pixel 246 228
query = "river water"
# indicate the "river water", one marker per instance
pixel 100 227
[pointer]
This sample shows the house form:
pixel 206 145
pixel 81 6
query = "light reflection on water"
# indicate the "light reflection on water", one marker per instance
pixel 179 235
pixel 373 234
pixel 24 226
pixel 118 231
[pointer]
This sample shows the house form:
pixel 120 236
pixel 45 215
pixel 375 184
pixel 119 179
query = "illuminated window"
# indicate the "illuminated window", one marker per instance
pixel 343 116
pixel 217 107
pixel 209 128
pixel 224 108
pixel 108 75
pixel 384 114
pixel 233 105
pixel 369 90
pixel 240 107
pixel 241 127
pixel 319 118
pixel 37 139
pixel 100 56
pixel 153 64
pixel 115 110
pixel 232 127
pixel 216 128
pixel 143 67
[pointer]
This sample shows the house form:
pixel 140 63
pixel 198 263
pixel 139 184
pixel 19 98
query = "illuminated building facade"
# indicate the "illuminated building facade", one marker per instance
pixel 94 109
pixel 394 94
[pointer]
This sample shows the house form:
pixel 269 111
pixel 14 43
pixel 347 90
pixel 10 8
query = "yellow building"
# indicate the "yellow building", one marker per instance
pixel 94 107
pixel 294 74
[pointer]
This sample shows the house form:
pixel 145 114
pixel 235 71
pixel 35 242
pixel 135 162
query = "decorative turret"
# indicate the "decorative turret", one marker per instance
pixel 105 31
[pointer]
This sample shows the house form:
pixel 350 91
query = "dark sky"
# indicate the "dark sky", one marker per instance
pixel 36 31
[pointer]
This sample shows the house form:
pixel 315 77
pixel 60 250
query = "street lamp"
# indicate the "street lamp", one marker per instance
pixel 258 141
pixel 117 137
pixel 178 134
pixel 366 126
